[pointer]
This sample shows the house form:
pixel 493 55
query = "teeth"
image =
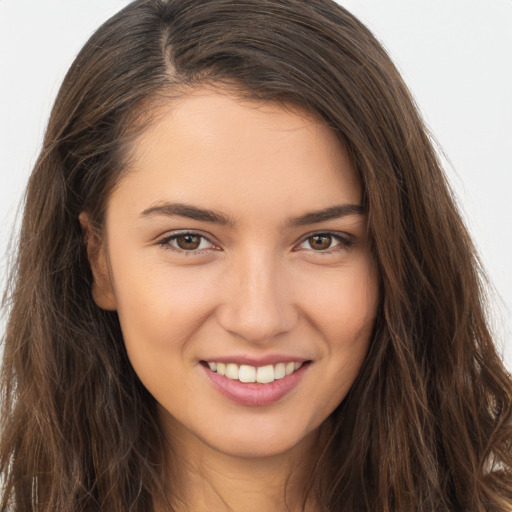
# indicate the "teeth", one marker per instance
pixel 260 374
pixel 231 371
pixel 265 374
pixel 280 371
pixel 247 373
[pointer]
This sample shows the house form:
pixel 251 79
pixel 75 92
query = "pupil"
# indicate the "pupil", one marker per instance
pixel 320 242
pixel 189 242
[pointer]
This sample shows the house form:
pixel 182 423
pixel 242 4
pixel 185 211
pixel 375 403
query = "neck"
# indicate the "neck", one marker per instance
pixel 206 480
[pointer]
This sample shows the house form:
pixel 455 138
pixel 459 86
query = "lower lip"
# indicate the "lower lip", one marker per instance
pixel 253 393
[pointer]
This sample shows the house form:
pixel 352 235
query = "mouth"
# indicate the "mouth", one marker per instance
pixel 247 373
pixel 255 385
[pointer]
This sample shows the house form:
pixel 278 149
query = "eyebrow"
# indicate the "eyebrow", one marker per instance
pixel 188 211
pixel 333 212
pixel 206 215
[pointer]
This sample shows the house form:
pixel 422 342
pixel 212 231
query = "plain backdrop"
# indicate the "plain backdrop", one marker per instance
pixel 455 55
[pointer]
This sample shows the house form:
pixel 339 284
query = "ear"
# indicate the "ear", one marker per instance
pixel 102 289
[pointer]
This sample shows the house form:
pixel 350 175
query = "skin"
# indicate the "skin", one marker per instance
pixel 259 285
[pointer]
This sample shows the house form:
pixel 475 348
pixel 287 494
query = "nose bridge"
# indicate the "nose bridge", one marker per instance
pixel 258 303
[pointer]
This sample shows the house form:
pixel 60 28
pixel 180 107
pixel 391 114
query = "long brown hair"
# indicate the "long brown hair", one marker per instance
pixel 427 425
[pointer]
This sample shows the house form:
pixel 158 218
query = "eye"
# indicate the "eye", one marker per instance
pixel 186 242
pixel 325 242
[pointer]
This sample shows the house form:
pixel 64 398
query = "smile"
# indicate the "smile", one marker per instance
pixel 260 374
pixel 255 385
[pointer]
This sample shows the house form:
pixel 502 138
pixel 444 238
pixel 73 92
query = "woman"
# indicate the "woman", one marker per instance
pixel 243 284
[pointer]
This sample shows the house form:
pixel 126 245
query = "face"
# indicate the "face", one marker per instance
pixel 235 254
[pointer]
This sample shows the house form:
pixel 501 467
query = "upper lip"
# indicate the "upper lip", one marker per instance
pixel 256 360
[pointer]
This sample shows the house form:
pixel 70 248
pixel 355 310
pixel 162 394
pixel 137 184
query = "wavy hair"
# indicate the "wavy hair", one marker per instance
pixel 427 425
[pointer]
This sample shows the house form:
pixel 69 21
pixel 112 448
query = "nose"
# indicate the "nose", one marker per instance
pixel 258 304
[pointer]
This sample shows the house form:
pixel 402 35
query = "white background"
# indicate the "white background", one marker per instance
pixel 456 56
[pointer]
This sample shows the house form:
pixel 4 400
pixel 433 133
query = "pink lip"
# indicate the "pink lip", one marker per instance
pixel 257 360
pixel 255 394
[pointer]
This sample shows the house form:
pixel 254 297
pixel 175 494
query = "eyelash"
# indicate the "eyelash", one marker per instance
pixel 166 243
pixel 344 243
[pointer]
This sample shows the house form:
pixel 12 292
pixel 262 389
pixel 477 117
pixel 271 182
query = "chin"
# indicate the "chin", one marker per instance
pixel 261 442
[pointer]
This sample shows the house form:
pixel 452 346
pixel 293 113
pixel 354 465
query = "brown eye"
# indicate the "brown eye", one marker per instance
pixel 320 242
pixel 188 242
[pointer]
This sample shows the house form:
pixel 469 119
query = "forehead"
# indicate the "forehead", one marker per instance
pixel 230 153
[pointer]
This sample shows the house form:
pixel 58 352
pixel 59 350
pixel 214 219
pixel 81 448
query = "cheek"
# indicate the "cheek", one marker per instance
pixel 356 311
pixel 345 313
pixel 344 304
pixel 159 307
pixel 161 312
